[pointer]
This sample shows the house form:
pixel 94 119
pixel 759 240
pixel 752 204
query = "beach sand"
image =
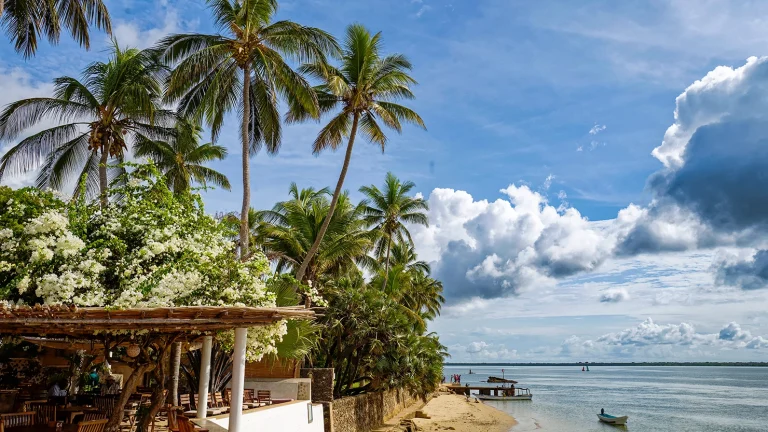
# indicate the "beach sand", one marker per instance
pixel 453 412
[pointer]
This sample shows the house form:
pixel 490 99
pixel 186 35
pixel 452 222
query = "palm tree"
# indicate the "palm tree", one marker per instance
pixel 26 20
pixel 389 210
pixel 244 71
pixel 181 159
pixel 116 101
pixel 362 88
pixel 291 227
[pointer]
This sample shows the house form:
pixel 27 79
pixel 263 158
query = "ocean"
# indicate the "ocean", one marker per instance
pixel 658 398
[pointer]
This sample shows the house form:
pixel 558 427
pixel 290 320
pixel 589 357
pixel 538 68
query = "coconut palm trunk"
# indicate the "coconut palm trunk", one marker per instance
pixel 386 264
pixel 339 185
pixel 244 232
pixel 103 180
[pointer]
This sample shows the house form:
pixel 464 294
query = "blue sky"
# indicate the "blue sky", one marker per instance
pixel 565 101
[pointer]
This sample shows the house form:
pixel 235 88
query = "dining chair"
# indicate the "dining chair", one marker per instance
pixel 94 415
pixel 220 402
pixel 16 419
pixel 46 411
pixel 92 426
pixel 185 401
pixel 105 404
pixel 264 396
pixel 249 399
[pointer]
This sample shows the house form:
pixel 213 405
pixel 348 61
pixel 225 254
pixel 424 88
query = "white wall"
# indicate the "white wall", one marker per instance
pixel 291 416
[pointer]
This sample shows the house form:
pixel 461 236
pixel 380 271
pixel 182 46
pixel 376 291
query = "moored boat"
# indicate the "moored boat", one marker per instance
pixel 607 418
pixel 505 394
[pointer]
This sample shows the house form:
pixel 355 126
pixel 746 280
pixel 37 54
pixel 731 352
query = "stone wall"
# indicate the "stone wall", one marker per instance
pixel 364 412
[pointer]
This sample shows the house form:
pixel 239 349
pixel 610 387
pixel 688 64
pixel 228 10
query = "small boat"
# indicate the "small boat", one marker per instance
pixel 505 394
pixel 493 379
pixel 607 418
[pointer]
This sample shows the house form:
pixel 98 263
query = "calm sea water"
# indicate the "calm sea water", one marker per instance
pixel 679 399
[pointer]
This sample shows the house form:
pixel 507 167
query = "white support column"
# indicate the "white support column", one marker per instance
pixel 238 380
pixel 205 377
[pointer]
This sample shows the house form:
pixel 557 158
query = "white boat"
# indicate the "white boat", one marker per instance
pixel 607 418
pixel 505 394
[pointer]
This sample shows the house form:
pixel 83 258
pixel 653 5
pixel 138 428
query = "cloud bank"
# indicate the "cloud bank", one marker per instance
pixel 649 338
pixel 711 191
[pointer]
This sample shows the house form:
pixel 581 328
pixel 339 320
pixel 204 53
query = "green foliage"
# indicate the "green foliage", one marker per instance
pixel 372 333
pixel 26 21
pixel 370 341
pixel 181 159
pixel 286 233
pixel 116 101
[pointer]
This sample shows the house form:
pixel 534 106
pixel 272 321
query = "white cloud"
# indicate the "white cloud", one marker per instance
pixel 476 347
pixel 596 129
pixel 723 93
pixel 131 33
pixel 650 333
pixel 650 339
pixel 481 351
pixel 614 295
pixel 548 182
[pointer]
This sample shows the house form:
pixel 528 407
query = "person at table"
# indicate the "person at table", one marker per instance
pixel 58 389
pixel 111 387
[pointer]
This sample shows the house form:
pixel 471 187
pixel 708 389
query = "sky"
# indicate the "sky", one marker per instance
pixel 593 168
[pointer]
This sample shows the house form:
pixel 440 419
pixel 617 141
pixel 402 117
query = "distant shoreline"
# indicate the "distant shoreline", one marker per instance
pixel 741 364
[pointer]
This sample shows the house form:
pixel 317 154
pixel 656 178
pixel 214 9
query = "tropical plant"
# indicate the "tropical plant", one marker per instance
pixel 370 341
pixel 245 71
pixel 116 101
pixel 291 227
pixel 181 159
pixel 26 20
pixel 389 210
pixel 152 248
pixel 362 88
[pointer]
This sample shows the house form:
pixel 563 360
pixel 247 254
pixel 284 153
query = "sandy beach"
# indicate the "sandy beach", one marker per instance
pixel 453 412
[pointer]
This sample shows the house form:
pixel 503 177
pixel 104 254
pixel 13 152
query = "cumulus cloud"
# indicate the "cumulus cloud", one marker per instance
pixel 482 351
pixel 614 296
pixel 476 347
pixel 750 273
pixel 650 333
pixel 492 249
pixel 650 338
pixel 132 34
pixel 710 192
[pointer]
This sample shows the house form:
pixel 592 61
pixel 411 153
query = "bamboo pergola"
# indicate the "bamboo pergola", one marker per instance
pixel 86 322
pixel 51 324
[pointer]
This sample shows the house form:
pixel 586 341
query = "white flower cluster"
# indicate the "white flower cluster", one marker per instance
pixel 261 340
pixel 149 250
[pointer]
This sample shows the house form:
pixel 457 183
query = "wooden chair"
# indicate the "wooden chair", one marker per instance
pixel 105 404
pixel 46 411
pixel 16 419
pixel 92 426
pixel 220 402
pixel 264 396
pixel 185 401
pixel 25 406
pixel 94 415
pixel 186 426
pixel 249 399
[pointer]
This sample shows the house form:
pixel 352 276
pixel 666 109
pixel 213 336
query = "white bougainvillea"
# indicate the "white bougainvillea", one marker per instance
pixel 150 248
